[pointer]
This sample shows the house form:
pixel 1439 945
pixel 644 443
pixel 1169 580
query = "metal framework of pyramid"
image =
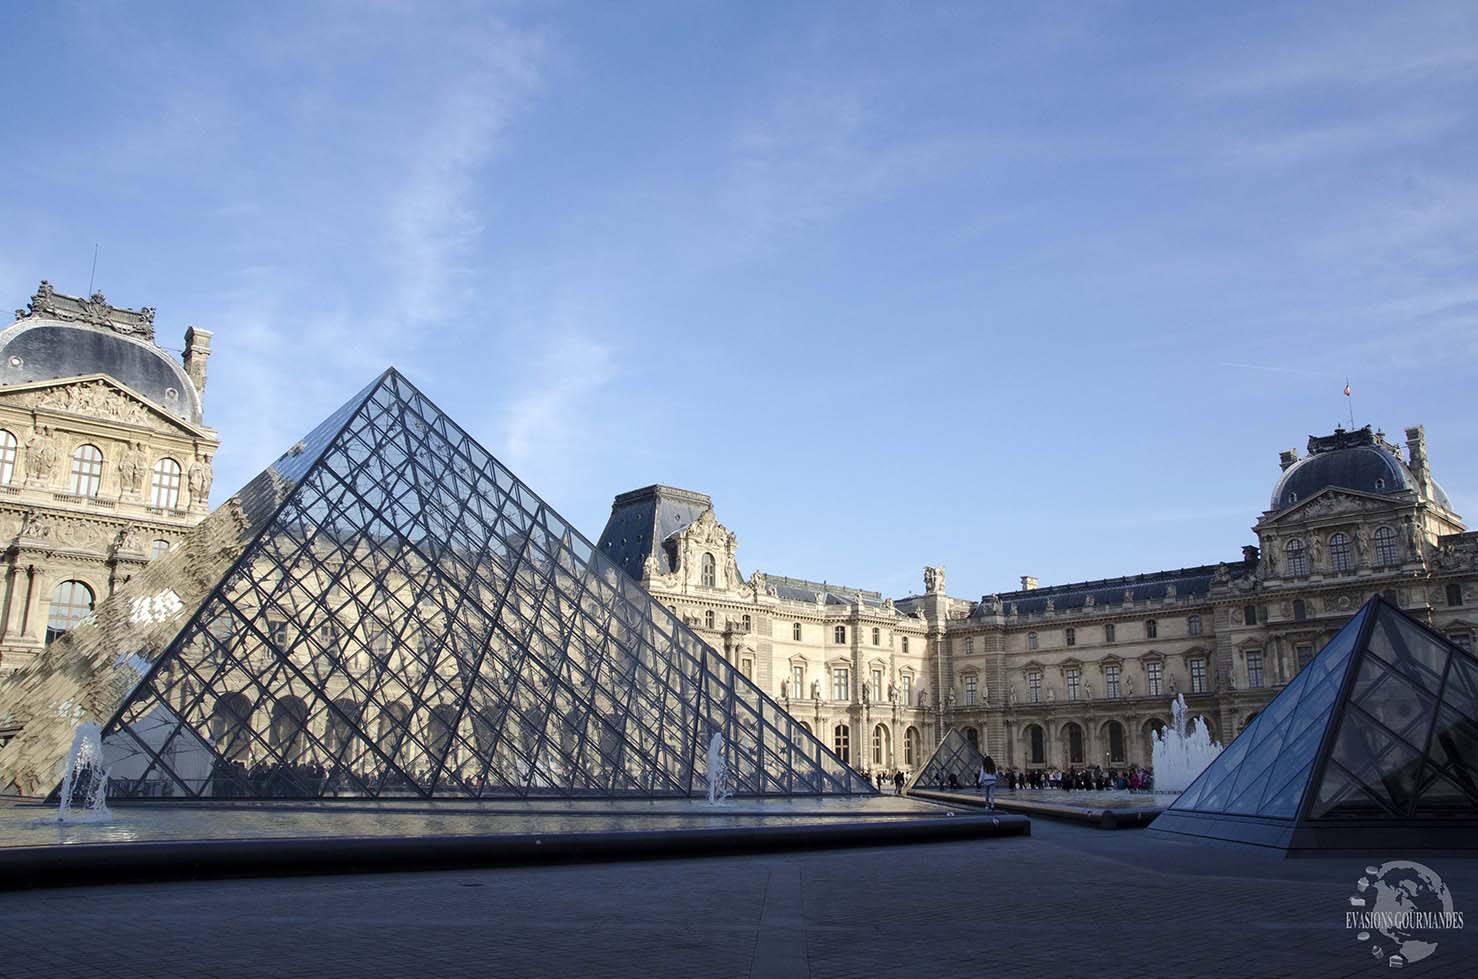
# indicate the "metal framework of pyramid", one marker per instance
pixel 956 756
pixel 1373 744
pixel 387 611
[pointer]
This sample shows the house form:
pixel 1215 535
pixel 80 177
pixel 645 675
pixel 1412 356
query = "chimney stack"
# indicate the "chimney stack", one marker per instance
pixel 1416 458
pixel 1028 583
pixel 1287 458
pixel 197 352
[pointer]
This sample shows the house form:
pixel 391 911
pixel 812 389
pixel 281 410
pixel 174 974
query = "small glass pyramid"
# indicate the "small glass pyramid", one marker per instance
pixel 1379 731
pixel 388 611
pixel 957 756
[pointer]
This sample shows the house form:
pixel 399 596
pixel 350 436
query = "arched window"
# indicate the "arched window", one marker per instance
pixel 795 631
pixel 839 634
pixel 158 549
pixel 338 726
pixel 71 602
pixel 230 725
pixel 289 715
pixel 1298 558
pixel 87 471
pixel 1116 743
pixel 879 745
pixel 1074 744
pixel 1454 595
pixel 1340 558
pixel 164 485
pixel 806 726
pixel 972 735
pixel 7 457
pixel 710 570
pixel 841 741
pixel 708 619
pixel 1385 547
pixel 911 747
pixel 745 622
pixel 1031 640
pixel 877 636
pixel 1036 745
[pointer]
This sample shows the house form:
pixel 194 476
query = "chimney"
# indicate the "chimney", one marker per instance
pixel 197 352
pixel 1028 583
pixel 1249 553
pixel 1287 458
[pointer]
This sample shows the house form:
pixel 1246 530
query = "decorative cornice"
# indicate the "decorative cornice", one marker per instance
pixel 94 311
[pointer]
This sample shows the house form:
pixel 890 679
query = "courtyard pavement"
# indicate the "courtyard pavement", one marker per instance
pixel 1067 901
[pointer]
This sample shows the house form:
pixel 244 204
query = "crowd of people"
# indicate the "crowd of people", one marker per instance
pixel 1096 778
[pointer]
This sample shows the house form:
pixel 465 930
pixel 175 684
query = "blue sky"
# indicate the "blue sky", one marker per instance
pixel 972 285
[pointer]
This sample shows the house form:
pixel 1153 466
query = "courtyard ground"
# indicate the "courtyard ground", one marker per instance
pixel 1067 901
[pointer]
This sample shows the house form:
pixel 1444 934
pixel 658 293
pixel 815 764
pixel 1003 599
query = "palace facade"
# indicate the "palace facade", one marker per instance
pixel 1080 673
pixel 105 458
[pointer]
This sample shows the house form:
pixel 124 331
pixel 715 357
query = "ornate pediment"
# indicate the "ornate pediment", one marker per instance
pixel 1331 502
pixel 95 396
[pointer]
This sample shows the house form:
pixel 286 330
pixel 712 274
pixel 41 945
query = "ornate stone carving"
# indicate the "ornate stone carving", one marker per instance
pixel 892 692
pixel 200 480
pixel 96 398
pixel 133 541
pixel 40 455
pixel 815 689
pixel 131 468
pixel 60 531
pixel 94 310
pixel 933 580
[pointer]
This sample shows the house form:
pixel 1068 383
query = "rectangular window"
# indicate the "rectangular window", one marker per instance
pixel 905 644
pixel 1151 629
pixel 841 689
pixel 878 692
pixel 746 666
pixel 1031 640
pixel 1108 632
pixel 1249 614
pixel 1198 676
pixel 1074 677
pixel 1254 669
pixel 1305 653
pixel 877 637
pixel 1155 672
pixel 969 646
pixel 1034 687
pixel 1193 625
pixel 905 682
pixel 1463 640
pixel 1071 635
pixel 970 682
pixel 1111 678
pixel 797 681
pixel 277 630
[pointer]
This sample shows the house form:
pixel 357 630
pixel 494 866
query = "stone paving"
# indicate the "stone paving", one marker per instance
pixel 1067 901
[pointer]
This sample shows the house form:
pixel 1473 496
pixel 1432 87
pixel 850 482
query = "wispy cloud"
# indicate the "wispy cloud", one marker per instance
pixel 558 401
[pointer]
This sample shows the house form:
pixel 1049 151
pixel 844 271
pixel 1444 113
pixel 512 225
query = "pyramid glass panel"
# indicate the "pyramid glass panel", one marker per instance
pixel 387 611
pixel 956 756
pixel 1379 732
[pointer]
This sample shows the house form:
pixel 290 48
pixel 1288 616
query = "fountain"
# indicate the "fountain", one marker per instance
pixel 84 788
pixel 719 787
pixel 1179 753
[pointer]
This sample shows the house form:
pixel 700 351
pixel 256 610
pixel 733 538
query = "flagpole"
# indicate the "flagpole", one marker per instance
pixel 1351 403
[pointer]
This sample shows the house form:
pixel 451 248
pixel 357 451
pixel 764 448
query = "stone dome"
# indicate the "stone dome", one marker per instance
pixel 41 348
pixel 1359 460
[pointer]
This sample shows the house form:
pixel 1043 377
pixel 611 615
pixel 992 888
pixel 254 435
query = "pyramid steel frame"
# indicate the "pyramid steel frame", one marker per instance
pixel 387 611
pixel 955 755
pixel 1373 744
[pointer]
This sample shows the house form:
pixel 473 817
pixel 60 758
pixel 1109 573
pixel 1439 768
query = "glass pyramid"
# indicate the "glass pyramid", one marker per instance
pixel 387 611
pixel 955 756
pixel 1379 730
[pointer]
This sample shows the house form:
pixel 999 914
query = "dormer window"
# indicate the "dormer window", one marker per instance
pixel 1380 484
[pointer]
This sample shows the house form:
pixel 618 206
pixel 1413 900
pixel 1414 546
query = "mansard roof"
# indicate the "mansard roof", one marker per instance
pixel 1188 582
pixel 642 519
pixel 1359 460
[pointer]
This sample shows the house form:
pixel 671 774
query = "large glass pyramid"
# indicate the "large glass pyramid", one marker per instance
pixel 387 611
pixel 957 756
pixel 1376 740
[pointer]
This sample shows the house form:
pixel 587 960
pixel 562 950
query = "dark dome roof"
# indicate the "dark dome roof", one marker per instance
pixel 1372 467
pixel 39 349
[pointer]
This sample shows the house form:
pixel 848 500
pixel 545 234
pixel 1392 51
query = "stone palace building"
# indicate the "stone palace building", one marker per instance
pixel 1081 673
pixel 105 459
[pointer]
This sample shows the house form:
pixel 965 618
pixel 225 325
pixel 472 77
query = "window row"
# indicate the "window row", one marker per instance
pixel 1342 551
pixel 85 477
pixel 1154 672
pixel 882 742
pixel 1110 633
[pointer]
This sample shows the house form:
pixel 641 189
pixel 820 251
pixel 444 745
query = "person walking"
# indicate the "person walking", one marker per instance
pixel 898 782
pixel 988 780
